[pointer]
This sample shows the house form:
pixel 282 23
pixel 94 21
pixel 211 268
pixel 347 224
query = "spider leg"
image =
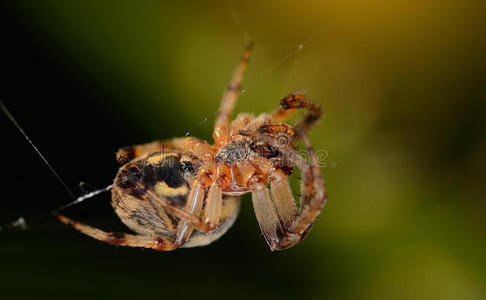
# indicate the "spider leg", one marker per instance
pixel 126 154
pixel 121 239
pixel 195 201
pixel 280 224
pixel 198 148
pixel 282 197
pixel 291 103
pixel 313 190
pixel 220 134
pixel 189 213
pixel 266 215
pixel 194 205
pixel 275 129
pixel 214 205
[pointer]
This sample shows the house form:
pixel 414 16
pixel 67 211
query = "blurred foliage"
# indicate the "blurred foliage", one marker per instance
pixel 402 86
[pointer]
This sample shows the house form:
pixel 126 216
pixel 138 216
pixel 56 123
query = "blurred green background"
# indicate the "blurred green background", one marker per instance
pixel 402 84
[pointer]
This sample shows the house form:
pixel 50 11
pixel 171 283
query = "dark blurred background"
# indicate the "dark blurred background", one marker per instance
pixel 402 84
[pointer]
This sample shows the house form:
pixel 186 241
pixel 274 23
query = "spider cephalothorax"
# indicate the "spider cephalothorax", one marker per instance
pixel 184 192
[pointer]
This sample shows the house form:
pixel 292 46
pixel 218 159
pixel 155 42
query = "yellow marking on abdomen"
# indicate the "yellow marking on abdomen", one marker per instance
pixel 163 189
pixel 158 158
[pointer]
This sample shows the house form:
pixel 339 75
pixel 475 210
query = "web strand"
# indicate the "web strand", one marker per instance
pixel 82 198
pixel 12 119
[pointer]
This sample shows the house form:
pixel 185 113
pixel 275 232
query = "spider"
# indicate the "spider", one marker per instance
pixel 184 192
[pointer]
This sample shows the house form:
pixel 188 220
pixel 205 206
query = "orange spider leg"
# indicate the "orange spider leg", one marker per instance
pixel 274 218
pixel 126 154
pixel 194 205
pixel 265 214
pixel 200 149
pixel 121 239
pixel 291 103
pixel 282 197
pixel 220 134
pixel 276 128
pixel 188 213
pixel 241 121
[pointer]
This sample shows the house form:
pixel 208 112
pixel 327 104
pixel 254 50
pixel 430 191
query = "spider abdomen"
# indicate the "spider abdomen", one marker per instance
pixel 168 175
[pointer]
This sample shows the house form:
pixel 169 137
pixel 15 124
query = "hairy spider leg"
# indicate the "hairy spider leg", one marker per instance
pixel 122 239
pixel 279 231
pixel 220 134
pixel 291 103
